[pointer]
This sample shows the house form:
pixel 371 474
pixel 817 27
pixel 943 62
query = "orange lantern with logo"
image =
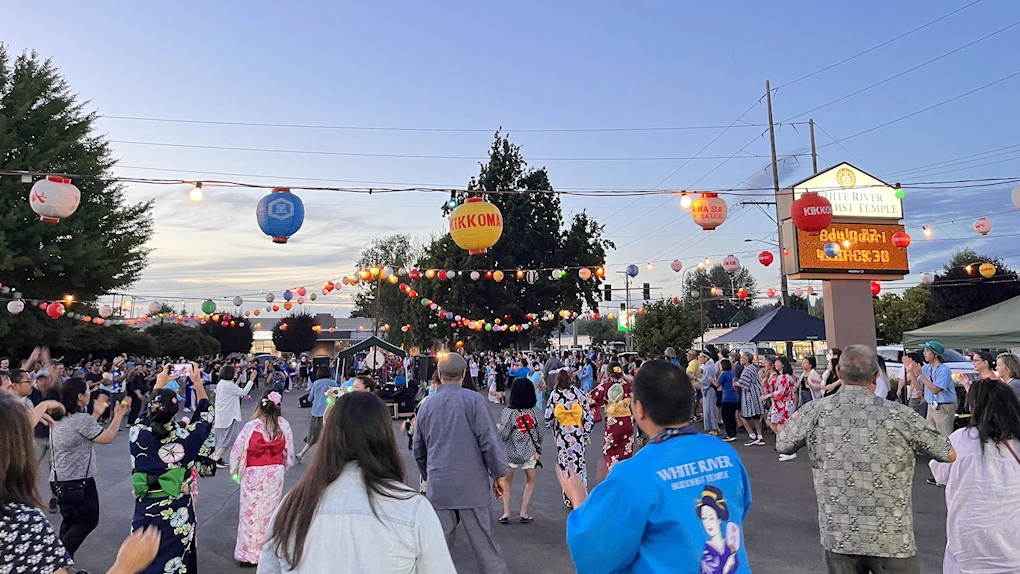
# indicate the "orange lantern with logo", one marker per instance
pixel 476 225
pixel 709 211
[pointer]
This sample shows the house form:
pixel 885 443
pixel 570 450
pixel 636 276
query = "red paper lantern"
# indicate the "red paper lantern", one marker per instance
pixel 414 274
pixel 742 293
pixel 901 239
pixel 276 307
pixel 412 294
pixel 811 213
pixel 488 275
pixel 55 310
pixel 442 275
pixel 876 288
pixel 766 258
pixel 771 292
pixel 301 291
pixel 329 286
pixel 224 323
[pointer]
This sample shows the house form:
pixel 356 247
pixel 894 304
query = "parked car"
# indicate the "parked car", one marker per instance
pixel 759 352
pixel 958 363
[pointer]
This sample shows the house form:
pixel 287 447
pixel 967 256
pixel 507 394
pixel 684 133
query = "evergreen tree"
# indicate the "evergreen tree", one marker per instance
pixel 722 307
pixel 236 339
pixel 299 336
pixel 960 289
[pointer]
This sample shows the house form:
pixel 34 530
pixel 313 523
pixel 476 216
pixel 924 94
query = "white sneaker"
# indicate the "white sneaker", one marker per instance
pixel 729 439
pixel 786 457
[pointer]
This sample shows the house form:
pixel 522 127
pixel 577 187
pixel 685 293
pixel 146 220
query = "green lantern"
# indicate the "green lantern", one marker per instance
pixel 208 306
pixel 313 296
pixel 488 326
pixel 695 294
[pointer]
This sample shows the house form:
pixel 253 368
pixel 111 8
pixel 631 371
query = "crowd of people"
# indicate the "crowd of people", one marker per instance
pixel 666 425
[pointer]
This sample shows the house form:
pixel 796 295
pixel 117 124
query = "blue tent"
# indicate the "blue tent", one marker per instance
pixel 779 324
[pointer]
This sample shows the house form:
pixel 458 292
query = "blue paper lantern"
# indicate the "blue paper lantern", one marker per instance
pixel 632 270
pixel 280 214
pixel 287 295
pixel 831 249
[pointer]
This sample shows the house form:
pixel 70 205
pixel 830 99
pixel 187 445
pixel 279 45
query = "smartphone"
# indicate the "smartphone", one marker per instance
pixel 180 370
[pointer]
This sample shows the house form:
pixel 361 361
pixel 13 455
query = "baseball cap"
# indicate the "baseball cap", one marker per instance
pixel 452 366
pixel 936 348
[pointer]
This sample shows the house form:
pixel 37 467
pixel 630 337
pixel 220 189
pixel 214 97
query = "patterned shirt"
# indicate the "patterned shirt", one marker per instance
pixel 862 450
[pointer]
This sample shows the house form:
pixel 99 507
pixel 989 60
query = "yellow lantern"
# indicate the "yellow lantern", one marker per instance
pixel 986 270
pixel 497 275
pixel 365 274
pixel 431 273
pixel 476 225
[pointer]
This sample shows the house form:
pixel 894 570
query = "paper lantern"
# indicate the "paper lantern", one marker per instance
pixel 584 273
pixel 927 278
pixel 288 305
pixel 414 274
pixel 983 225
pixel 876 288
pixel 280 214
pixel 15 307
pixel 798 292
pixel 831 249
pixel 632 270
pixel 270 297
pixel 901 239
pixel 1015 196
pixel 208 306
pixel 766 258
pixel 276 306
pixel 475 276
pixel 257 312
pixel 328 286
pixel 730 264
pixel 237 301
pixel 302 291
pixel 497 276
pixel 987 270
pixel 809 289
pixel 676 265
pixel 412 294
pixel 54 198
pixel 313 296
pixel 55 310
pixel 476 225
pixel 709 211
pixel 300 300
pixel 531 276
pixel 105 311
pixel 811 213
pixel 771 292
pixel 155 306
pixel 430 274
pixel 742 294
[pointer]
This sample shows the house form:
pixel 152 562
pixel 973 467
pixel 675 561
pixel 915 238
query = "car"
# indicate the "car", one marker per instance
pixel 759 352
pixel 960 365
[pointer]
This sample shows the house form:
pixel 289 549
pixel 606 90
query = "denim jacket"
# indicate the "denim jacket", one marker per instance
pixel 346 537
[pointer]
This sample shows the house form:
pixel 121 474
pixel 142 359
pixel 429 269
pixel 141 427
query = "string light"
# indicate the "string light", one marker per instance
pixel 685 200
pixel 196 194
pixel 650 266
pixel 926 230
pixel 708 261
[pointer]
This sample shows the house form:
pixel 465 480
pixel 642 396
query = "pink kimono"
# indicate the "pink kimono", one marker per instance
pixel 259 464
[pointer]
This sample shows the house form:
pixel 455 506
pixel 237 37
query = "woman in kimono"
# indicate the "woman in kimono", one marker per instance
pixel 781 389
pixel 164 455
pixel 262 453
pixel 615 395
pixel 568 409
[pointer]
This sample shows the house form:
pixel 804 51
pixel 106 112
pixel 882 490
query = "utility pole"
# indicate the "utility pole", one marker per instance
pixel 814 150
pixel 378 295
pixel 785 289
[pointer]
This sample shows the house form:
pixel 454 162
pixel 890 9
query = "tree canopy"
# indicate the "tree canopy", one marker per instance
pixel 960 289
pixel 175 340
pixel 236 339
pixel 299 336
pixel 722 308
pixel 665 324
pixel 896 314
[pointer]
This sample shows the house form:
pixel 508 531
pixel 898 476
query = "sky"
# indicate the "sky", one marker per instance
pixel 481 66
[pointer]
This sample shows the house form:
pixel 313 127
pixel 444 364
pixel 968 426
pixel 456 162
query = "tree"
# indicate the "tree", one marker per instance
pixel 295 333
pixel 393 306
pixel 236 339
pixel 895 314
pixel 958 291
pixel 600 331
pixel 664 324
pixel 175 340
pixel 721 308
pixel 45 129
pixel 533 238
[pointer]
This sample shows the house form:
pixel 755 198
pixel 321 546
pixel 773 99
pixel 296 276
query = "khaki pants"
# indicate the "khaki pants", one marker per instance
pixel 942 418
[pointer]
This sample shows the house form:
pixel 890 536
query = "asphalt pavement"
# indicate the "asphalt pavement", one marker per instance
pixel 781 532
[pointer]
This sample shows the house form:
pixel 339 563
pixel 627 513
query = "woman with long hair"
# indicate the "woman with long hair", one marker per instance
pixel 782 390
pixel 1007 367
pixel 615 395
pixel 164 459
pixel 983 484
pixel 568 409
pixel 261 455
pixel 830 379
pixel 352 502
pixel 521 431
pixel 810 386
pixel 72 448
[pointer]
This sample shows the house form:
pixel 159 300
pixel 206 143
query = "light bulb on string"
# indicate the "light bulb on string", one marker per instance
pixel 926 231
pixel 708 261
pixel 196 194
pixel 650 266
pixel 685 200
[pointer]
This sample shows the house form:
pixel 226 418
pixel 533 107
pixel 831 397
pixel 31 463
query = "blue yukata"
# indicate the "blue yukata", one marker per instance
pixel 677 506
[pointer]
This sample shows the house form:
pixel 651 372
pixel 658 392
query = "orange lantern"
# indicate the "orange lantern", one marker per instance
pixel 709 211
pixel 476 225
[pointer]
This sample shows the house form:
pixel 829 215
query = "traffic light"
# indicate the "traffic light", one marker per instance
pixel 646 291
pixel 609 293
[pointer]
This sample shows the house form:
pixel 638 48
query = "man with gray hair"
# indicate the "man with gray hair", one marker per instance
pixel 457 448
pixel 862 450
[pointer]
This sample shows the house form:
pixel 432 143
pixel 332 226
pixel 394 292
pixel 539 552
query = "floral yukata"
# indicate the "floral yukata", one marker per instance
pixel 568 409
pixel 615 395
pixel 784 398
pixel 164 486
pixel 259 464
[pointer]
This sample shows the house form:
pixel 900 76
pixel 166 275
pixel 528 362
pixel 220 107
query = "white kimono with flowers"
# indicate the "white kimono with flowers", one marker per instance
pixel 258 464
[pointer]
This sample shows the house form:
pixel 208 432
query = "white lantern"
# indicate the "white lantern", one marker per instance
pixel 238 301
pixel 928 278
pixel 1016 197
pixel 730 264
pixel 155 306
pixel 532 276
pixel 676 265
pixel 584 273
pixel 15 307
pixel 798 292
pixel 475 276
pixel 105 311
pixel 451 274
pixel 54 198
pixel 983 225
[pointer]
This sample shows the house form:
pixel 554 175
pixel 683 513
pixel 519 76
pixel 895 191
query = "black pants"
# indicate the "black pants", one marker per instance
pixel 856 564
pixel 729 418
pixel 80 512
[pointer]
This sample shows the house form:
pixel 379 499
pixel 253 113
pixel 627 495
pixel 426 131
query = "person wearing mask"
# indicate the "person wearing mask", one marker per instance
pixel 679 517
pixel 227 423
pixel 858 533
pixel 810 386
pixel 1008 370
pixel 352 502
pixel 521 431
pixel 939 390
pixel 261 455
pixel 730 400
pixel 164 459
pixel 615 395
pixel 914 389
pixel 457 448
pixel 751 408
pixel 569 413
pixel 983 484
pixel 709 383
pixel 781 390
pixel 317 393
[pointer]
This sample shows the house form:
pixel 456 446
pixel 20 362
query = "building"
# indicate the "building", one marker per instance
pixel 337 334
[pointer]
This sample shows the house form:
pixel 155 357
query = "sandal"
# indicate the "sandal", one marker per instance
pixel 527 520
pixel 504 520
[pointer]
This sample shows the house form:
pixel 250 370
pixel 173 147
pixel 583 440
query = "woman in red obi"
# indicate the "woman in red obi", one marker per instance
pixel 614 394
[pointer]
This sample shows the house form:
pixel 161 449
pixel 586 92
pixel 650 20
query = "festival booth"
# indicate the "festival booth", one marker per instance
pixel 779 324
pixel 393 388
pixel 995 327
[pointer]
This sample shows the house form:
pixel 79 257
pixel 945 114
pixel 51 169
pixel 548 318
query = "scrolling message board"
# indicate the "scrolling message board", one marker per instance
pixel 863 250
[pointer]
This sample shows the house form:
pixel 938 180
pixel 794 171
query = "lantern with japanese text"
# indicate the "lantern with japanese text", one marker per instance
pixel 476 225
pixel 15 307
pixel 709 211
pixel 766 258
pixel 811 213
pixel 901 239
pixel 584 273
pixel 54 198
pixel 983 225
pixel 280 214
pixel 730 264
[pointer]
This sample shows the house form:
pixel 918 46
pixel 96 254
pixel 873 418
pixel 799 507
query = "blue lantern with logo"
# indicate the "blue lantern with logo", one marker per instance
pixel 280 214
pixel 831 249
pixel 632 270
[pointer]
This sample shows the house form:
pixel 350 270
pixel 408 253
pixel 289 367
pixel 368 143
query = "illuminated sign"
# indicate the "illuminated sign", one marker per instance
pixel 863 249
pixel 853 193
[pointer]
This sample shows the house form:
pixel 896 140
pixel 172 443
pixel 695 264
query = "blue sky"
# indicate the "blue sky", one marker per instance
pixel 526 65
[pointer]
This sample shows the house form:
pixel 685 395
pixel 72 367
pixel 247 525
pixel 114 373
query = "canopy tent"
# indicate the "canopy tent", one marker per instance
pixel 371 342
pixel 779 324
pixel 995 327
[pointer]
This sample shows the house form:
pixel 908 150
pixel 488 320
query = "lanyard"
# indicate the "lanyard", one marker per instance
pixel 670 433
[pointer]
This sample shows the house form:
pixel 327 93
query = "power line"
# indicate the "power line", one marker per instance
pixel 957 160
